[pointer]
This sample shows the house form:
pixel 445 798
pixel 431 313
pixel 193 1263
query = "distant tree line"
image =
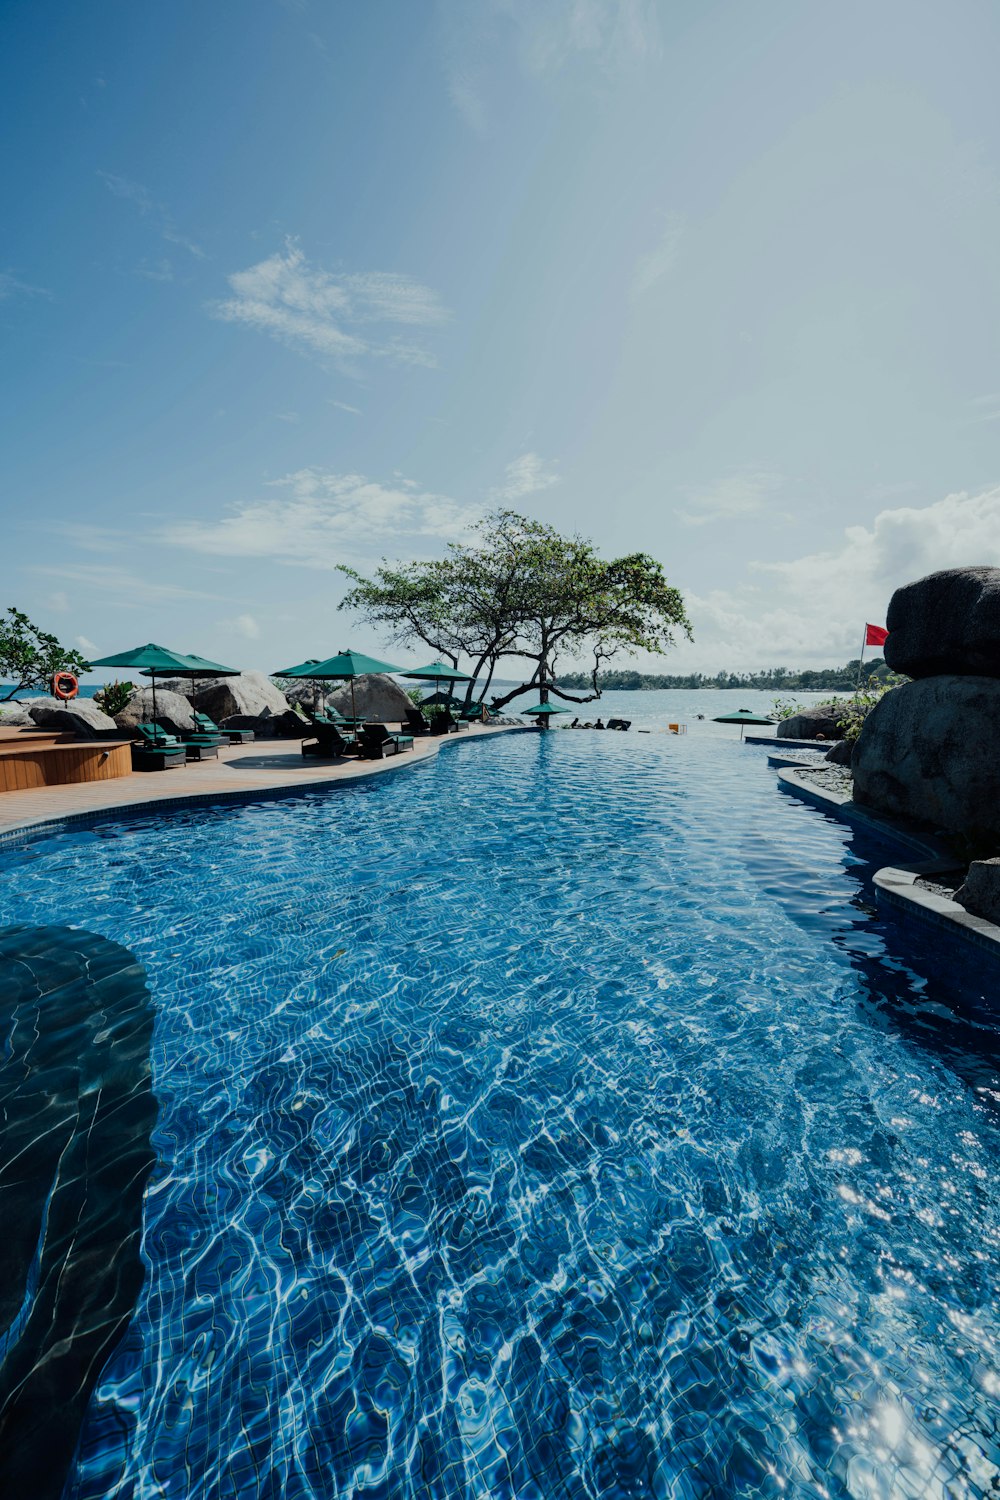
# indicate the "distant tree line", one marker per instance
pixel 823 679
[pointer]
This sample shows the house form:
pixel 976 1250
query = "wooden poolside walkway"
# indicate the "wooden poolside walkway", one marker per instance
pixel 267 765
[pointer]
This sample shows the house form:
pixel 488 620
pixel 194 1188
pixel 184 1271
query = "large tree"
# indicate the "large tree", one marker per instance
pixel 30 657
pixel 522 590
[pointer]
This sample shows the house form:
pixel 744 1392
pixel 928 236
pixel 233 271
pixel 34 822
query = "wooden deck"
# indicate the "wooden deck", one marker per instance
pixel 267 766
pixel 28 761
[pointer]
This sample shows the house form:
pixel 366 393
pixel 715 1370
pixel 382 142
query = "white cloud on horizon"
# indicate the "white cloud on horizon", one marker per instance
pixel 322 519
pixel 813 609
pixel 314 310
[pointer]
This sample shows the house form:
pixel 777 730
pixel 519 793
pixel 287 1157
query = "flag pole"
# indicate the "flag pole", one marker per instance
pixel 861 661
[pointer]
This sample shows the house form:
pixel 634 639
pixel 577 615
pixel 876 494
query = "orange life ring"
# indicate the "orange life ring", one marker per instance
pixel 65 685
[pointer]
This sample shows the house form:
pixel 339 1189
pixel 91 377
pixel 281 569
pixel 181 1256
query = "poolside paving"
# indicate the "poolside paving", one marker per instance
pixel 267 765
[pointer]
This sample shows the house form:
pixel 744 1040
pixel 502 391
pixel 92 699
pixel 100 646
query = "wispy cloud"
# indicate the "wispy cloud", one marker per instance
pixel 118 585
pixel 343 406
pixel 319 520
pixel 544 37
pixel 150 208
pixel 658 262
pixel 155 270
pixel 323 313
pixel 13 286
pixel 986 408
pixel 731 499
pixel 525 476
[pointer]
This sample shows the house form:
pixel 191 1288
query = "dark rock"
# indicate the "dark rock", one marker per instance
pixel 377 698
pixel 251 695
pixel 926 752
pixel 981 892
pixel 77 716
pixel 948 622
pixel 173 712
pixel 841 753
pixel 821 721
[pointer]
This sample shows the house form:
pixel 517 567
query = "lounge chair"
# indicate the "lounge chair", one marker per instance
pixel 204 725
pixel 375 741
pixel 419 723
pixel 160 758
pixel 197 748
pixel 329 743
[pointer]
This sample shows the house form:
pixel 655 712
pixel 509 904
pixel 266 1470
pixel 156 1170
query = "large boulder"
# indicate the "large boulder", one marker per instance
pixel 79 716
pixel 252 695
pixel 926 752
pixel 17 715
pixel 981 892
pixel 841 754
pixel 818 722
pixel 948 622
pixel 377 698
pixel 173 712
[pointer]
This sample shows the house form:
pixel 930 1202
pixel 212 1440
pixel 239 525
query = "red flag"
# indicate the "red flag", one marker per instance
pixel 875 635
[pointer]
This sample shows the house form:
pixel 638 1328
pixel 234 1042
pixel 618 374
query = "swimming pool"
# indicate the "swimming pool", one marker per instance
pixel 552 1120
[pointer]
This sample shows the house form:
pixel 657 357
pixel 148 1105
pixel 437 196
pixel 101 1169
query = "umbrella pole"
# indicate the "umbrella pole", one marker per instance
pixel 354 707
pixel 152 678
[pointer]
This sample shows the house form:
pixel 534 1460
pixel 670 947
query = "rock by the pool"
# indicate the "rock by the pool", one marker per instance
pixel 927 752
pixel 841 754
pixel 16 715
pixel 981 892
pixel 948 622
pixel 79 716
pixel 252 695
pixel 376 696
pixel 820 719
pixel 173 712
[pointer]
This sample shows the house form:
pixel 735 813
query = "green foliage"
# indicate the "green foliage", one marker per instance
pixel 113 697
pixel 830 679
pixel 30 657
pixel 522 590
pixel 861 705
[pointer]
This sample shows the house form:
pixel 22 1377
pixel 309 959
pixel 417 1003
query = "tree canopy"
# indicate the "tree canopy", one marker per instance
pixel 29 657
pixel 520 589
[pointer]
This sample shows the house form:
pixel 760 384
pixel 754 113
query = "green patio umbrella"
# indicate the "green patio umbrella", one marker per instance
pixel 345 666
pixel 299 671
pixel 743 717
pixel 543 712
pixel 153 659
pixel 439 671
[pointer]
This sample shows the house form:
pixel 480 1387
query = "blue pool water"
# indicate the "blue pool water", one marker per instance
pixel 553 1120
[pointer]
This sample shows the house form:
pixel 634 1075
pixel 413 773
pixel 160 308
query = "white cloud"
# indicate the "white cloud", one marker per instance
pixel 525 476
pixel 319 520
pixel 813 610
pixel 118 585
pixel 85 643
pixel 247 626
pixel 59 601
pixel 343 406
pixel 309 308
pixel 731 499
pixel 149 208
pixel 657 263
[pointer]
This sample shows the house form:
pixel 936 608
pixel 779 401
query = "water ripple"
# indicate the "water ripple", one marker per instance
pixel 551 1123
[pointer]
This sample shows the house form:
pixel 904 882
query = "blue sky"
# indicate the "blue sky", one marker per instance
pixel 285 283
